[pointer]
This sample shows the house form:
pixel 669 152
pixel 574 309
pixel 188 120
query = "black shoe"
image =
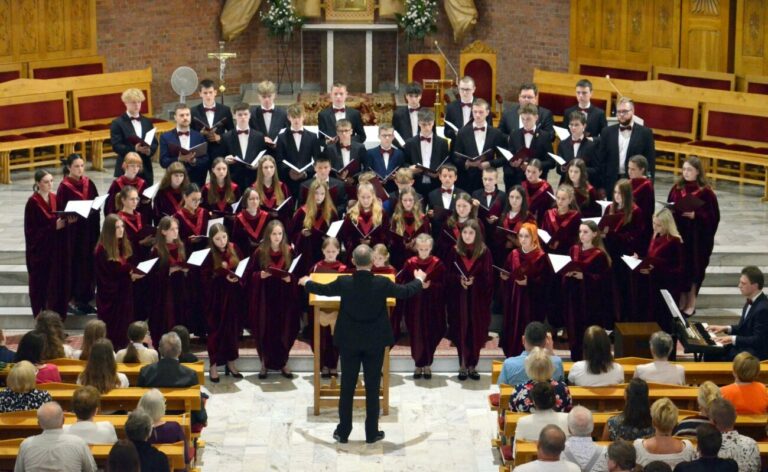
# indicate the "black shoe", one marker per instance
pixel 379 436
pixel 214 379
pixel 287 375
pixel 73 310
pixel 462 374
pixel 417 374
pixel 263 375
pixel 236 375
pixel 338 438
pixel 474 375
pixel 427 374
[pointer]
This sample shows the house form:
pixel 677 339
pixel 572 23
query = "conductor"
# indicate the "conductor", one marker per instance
pixel 362 333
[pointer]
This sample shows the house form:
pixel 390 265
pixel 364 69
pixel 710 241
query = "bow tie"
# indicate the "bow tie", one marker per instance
pixel 625 128
pixel 489 194
pixel 267 111
pixel 446 190
pixel 479 128
pixel 182 133
pixel 527 131
pixel 585 110
pixel 339 110
pixel 209 109
pixel 413 110
pixel 426 138
pixel 136 118
pixel 301 131
pixel 347 147
pixel 749 301
pixel 466 104
pixel 242 131
pixel 576 141
pixel 386 151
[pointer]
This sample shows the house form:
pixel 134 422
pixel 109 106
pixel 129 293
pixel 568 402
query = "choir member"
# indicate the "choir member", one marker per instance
pixel 193 219
pixel 514 214
pixel 594 117
pixel 562 222
pixel 473 140
pixel 527 143
pixel 403 180
pixel 272 192
pixel 462 213
pixel 585 193
pixel 249 224
pixel 528 94
pixel 266 118
pixel 697 228
pixel 245 144
pixel 586 289
pixel 330 116
pixel 428 150
pixel 168 281
pixel 527 291
pixel 578 146
pixel 381 263
pixel 365 222
pixel 273 312
pixel 459 112
pixel 299 147
pixel 538 190
pixel 662 268
pixel 344 151
pixel 405 119
pixel 385 159
pixel 168 199
pixel 114 278
pixel 131 168
pixel 338 192
pixel 425 313
pixel 329 355
pixel 127 132
pixel 212 119
pixel 489 197
pixel 642 193
pixel 442 200
pixel 469 293
pixel 82 235
pixel 408 221
pixel 176 145
pixel 138 231
pixel 220 192
pixel 223 307
pixel 45 247
pixel 310 224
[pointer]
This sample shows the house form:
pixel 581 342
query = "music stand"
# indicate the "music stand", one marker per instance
pixel 440 85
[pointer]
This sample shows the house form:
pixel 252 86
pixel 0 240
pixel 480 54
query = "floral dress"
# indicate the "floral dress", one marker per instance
pixel 618 430
pixel 522 401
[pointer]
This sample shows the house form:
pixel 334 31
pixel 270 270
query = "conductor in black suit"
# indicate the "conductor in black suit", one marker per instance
pixel 167 372
pixel 130 125
pixel 751 332
pixel 362 334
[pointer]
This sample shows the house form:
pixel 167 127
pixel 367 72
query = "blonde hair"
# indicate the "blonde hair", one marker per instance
pixel 538 365
pixel 425 238
pixel 132 158
pixel 381 250
pixel 266 87
pixel 398 224
pixel 310 206
pixel 664 415
pixel 377 211
pixel 708 392
pixel 133 95
pixel 21 379
pixel 667 221
pixel 570 192
pixel 404 175
pixel 746 367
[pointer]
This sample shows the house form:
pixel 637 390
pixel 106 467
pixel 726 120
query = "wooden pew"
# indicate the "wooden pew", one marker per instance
pixel 557 98
pixel 9 450
pixel 70 369
pixel 176 399
pixel 616 69
pixel 696 78
pixel 12 71
pixel 756 84
pixel 68 67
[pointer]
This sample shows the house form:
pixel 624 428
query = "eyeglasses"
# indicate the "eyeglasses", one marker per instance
pixel 465 89
pixel 623 112
pixel 348 130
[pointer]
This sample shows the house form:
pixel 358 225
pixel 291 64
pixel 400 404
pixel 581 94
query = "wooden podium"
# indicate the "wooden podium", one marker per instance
pixel 327 394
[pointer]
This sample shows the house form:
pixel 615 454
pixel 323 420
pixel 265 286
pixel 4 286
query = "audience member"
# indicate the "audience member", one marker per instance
pixel 539 369
pixel 662 446
pixel 535 335
pixel 53 449
pixel 597 368
pixel 163 432
pixel 740 448
pixel 661 370
pixel 635 419
pixel 30 349
pixel 168 372
pixel 747 395
pixel 94 330
pixel 138 428
pixel 101 369
pixel 186 355
pixel 85 404
pixel 548 450
pixel 658 466
pixel 6 355
pixel 137 351
pixel 708 442
pixel 123 457
pixel 708 392
pixel 579 447
pixel 622 457
pixel 20 393
pixel 48 323
pixel 542 414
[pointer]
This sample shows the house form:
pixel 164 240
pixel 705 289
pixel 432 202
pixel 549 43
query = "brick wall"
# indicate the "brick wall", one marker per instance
pixel 134 34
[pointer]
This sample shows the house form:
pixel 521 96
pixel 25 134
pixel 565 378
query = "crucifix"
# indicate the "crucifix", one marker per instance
pixel 222 58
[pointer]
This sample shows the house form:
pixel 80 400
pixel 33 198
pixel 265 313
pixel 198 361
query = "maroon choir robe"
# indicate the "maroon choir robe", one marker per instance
pixel 136 230
pixel 354 233
pixel 469 310
pixel 539 200
pixel 446 240
pixel 114 295
pixel 273 311
pixel 644 197
pixel 329 355
pixel 194 225
pixel 82 237
pixel 424 313
pixel 223 306
pixel 624 239
pixel 46 255
pixel 503 242
pixel 401 245
pixel 221 208
pixel 167 202
pixel 665 254
pixel 248 230
pixel 145 204
pixel 587 201
pixel 587 301
pixel 168 293
pixel 698 234
pixel 564 230
pixel 309 246
pixel 524 303
pixel 270 203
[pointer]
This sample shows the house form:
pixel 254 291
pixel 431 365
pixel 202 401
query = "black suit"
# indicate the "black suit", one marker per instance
pixel 435 202
pixel 640 142
pixel 119 132
pixel 362 334
pixel 454 114
pixel 166 373
pixel 596 120
pixel 279 121
pixel 326 121
pixel 752 333
pixel 242 175
pixel 587 152
pixel 413 156
pixel 401 121
pixel 541 146
pixel 708 464
pixel 471 179
pixel 221 112
pixel 510 121
pixel 309 150
pixel 337 190
pixel 356 152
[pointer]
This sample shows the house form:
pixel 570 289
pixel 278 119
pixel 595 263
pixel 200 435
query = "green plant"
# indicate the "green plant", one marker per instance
pixel 420 18
pixel 281 19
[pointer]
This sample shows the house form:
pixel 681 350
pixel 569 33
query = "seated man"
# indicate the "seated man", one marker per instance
pixel 85 404
pixel 742 449
pixel 548 450
pixel 542 414
pixel 138 428
pixel 708 442
pixel 535 335
pixel 660 370
pixel 579 447
pixel 168 371
pixel 54 449
pixel 621 457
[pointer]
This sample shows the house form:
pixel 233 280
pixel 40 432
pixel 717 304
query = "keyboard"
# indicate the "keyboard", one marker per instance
pixel 695 338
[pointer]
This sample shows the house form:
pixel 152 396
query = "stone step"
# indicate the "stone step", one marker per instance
pixel 13 274
pixel 12 257
pixel 725 276
pixel 14 295
pixel 720 297
pixel 738 256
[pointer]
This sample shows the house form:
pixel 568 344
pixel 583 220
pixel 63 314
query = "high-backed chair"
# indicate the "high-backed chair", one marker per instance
pixel 478 61
pixel 426 66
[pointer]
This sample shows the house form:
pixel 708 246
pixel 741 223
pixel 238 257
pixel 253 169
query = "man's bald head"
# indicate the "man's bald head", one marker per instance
pixel 50 416
pixel 551 442
pixel 580 422
pixel 362 256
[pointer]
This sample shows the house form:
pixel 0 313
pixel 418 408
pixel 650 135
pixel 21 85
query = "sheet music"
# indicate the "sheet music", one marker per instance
pixel 81 207
pixel 98 202
pixel 333 229
pixel 632 262
pixel 241 267
pixel 562 133
pixel 558 261
pixel 146 266
pixel 150 192
pixel 560 161
pixel 198 257
pixel 150 136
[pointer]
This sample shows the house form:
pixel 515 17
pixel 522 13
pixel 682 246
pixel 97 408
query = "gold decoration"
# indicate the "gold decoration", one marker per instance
pixel 388 8
pixel 478 47
pixel 235 17
pixel 308 8
pixel 463 17
pixel 350 11
pixel 705 7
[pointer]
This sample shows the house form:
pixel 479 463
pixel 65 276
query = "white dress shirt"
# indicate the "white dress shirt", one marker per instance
pixel 548 466
pixel 386 156
pixel 136 126
pixel 183 139
pixel 466 114
pixel 581 449
pixel 146 355
pixel 426 156
pixel 661 372
pixel 414 116
pixel 340 116
pixel 297 138
pixel 529 426
pixel 480 137
pixel 54 450
pixel 528 138
pixel 267 118
pixel 623 146
pixel 579 375
pixel 209 114
pixel 446 198
pixel 93 432
pixel 243 138
pixel 345 156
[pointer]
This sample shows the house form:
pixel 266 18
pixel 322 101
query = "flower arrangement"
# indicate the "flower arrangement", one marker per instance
pixel 281 19
pixel 420 18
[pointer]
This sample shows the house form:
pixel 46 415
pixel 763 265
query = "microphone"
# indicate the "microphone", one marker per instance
pixel 448 62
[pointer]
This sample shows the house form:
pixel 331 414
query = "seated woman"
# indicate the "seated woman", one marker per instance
pixel 186 355
pixel 48 323
pixel 101 370
pixel 539 368
pixel 748 396
pixel 137 352
pixel 708 392
pixel 635 419
pixel 94 330
pixel 543 413
pixel 662 446
pixel 31 349
pixel 597 369
pixel 660 370
pixel 163 432
pixel 21 394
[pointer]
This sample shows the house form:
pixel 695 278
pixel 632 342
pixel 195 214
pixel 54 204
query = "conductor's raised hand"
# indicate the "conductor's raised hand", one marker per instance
pixel 303 280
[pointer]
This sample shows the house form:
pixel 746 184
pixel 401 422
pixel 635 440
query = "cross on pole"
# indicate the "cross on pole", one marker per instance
pixel 222 57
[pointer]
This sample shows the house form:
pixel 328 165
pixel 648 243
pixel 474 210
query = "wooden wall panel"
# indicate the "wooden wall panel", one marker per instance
pixel 6 32
pixel 665 41
pixel 704 38
pixel 751 48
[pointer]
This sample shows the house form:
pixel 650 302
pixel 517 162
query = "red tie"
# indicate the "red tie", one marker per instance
pixel 338 110
pixel 576 141
pixel 466 104
pixel 242 131
pixel 584 110
pixel 749 301
pixel 527 131
pixel 479 128
pixel 489 194
pixel 266 111
pixel 446 190
pixel 426 138
pixel 136 118
pixel 386 151
pixel 345 147
pixel 414 110
pixel 209 109
pixel 301 131
pixel 625 128
pixel 182 133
